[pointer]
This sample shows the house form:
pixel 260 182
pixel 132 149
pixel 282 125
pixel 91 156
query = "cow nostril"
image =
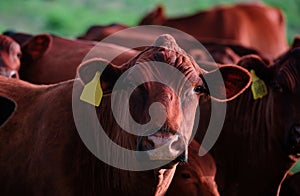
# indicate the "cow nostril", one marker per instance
pixel 144 144
pixel 14 74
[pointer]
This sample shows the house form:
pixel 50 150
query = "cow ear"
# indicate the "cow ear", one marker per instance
pixel 256 63
pixel 155 17
pixel 37 46
pixel 7 108
pixel 109 73
pixel 235 81
pixel 296 42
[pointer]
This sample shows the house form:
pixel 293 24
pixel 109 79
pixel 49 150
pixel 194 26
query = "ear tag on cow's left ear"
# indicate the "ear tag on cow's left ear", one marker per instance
pixel 258 87
pixel 92 92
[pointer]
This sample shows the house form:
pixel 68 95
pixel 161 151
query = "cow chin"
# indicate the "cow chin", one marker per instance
pixel 164 146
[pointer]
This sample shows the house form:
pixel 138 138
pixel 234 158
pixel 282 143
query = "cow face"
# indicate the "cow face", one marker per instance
pixel 286 82
pixel 10 54
pixel 283 80
pixel 166 85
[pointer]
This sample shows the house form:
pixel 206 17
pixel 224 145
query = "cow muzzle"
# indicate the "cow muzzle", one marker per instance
pixel 164 146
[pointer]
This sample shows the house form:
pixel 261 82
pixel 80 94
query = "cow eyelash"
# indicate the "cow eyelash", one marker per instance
pixel 200 89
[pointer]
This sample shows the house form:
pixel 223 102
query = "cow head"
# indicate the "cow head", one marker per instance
pixel 283 81
pixel 286 81
pixel 166 85
pixel 10 54
pixel 197 177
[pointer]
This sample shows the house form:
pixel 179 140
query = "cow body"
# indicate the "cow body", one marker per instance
pixel 252 25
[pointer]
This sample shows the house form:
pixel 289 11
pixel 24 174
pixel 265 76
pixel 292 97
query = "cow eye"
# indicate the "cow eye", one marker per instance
pixel 19 55
pixel 276 86
pixel 199 89
pixel 185 175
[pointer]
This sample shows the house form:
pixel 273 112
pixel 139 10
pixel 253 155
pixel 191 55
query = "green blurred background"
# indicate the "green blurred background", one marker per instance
pixel 70 18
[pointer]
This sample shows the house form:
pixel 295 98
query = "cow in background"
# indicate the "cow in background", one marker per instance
pixel 252 25
pixel 49 59
pixel 196 177
pixel 260 137
pixel 222 51
pixel 98 32
pixel 19 37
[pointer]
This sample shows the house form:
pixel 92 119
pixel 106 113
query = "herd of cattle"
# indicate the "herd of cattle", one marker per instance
pixel 41 150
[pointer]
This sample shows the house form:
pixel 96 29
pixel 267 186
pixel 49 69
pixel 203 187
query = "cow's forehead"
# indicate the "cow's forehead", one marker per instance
pixel 290 60
pixel 15 46
pixel 156 56
pixel 6 42
pixel 165 50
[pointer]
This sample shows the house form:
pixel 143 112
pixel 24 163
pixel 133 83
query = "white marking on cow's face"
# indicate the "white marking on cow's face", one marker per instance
pixel 15 56
pixel 10 61
pixel 163 149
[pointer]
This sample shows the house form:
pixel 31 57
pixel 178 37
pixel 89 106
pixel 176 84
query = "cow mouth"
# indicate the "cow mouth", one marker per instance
pixel 164 145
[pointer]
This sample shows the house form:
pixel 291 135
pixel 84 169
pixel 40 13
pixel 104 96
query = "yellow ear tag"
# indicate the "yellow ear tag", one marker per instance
pixel 258 87
pixel 92 92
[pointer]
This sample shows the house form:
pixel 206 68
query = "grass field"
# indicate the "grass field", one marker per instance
pixel 70 18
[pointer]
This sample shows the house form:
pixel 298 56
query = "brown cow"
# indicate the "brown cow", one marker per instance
pixel 50 59
pixel 98 32
pixel 291 185
pixel 10 54
pixel 196 177
pixel 252 25
pixel 259 141
pixel 42 153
